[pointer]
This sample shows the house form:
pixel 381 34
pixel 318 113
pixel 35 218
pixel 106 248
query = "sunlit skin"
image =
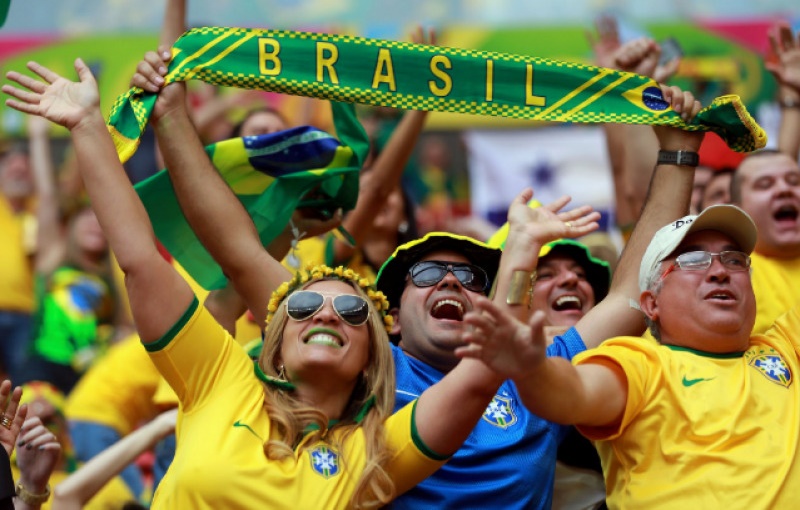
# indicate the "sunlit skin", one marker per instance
pixel 306 353
pixel 710 310
pixel 562 291
pixel 430 318
pixel 770 194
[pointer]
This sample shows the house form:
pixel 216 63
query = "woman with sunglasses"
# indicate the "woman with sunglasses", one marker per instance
pixel 311 425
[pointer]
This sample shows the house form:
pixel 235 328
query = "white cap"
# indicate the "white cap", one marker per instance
pixel 728 219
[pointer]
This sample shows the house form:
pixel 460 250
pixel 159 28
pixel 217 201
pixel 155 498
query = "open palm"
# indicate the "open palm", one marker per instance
pixel 54 97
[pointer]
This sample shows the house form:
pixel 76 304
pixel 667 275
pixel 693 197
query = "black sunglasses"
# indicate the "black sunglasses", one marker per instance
pixel 304 304
pixel 431 272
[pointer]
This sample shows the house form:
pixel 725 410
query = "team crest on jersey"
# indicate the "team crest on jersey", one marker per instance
pixel 325 461
pixel 500 413
pixel 773 367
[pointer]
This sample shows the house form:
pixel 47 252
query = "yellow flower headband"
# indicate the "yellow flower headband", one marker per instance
pixel 322 271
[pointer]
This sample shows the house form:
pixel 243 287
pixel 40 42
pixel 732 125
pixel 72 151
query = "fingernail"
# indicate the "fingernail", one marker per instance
pixel 162 70
pixel 41 448
pixel 159 80
pixel 28 446
pixel 21 444
pixel 166 54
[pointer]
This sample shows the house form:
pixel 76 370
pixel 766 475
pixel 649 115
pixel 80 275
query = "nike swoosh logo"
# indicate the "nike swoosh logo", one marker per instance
pixel 240 424
pixel 691 382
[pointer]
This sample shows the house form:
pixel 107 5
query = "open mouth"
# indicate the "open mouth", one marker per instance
pixel 720 295
pixel 323 337
pixel 448 309
pixel 786 213
pixel 568 303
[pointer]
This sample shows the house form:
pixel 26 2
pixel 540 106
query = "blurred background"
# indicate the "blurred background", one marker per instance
pixel 475 164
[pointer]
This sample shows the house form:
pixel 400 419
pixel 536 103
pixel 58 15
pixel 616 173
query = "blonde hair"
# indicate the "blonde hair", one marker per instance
pixel 292 419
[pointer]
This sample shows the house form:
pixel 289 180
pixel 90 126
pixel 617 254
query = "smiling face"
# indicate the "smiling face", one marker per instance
pixel 562 291
pixel 769 188
pixel 430 318
pixel 711 309
pixel 324 344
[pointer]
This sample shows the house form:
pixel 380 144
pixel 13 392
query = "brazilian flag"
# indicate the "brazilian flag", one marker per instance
pixel 271 175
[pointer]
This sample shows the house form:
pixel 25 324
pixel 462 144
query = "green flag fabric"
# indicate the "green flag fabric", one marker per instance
pixel 422 77
pixel 271 175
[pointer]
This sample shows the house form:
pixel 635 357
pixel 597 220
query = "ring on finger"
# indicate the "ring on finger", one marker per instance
pixel 5 421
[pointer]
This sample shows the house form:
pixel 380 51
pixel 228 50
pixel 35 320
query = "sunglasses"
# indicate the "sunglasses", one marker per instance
pixel 304 304
pixel 701 260
pixel 431 272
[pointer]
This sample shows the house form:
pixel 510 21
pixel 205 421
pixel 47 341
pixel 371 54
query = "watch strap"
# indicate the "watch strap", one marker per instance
pixel 678 158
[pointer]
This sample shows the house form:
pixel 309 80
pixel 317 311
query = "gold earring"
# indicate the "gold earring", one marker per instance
pixel 282 374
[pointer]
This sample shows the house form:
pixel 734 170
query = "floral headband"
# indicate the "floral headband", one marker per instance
pixel 322 271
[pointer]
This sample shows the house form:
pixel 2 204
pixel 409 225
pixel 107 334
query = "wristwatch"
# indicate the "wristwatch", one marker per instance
pixel 678 158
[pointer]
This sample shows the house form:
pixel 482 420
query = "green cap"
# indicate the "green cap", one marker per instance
pixel 598 272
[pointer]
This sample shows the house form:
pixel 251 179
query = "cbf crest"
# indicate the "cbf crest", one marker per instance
pixel 500 413
pixel 324 461
pixel 773 368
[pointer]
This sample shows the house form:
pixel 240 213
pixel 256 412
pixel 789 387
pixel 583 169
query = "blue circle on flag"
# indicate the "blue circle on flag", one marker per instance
pixel 653 99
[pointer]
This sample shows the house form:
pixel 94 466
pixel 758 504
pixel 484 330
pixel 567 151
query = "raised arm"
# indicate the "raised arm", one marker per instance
pixel 384 176
pixel 667 199
pixel 38 453
pixel 786 69
pixel 83 484
pixel 158 295
pixel 463 394
pixel 552 388
pixel 50 241
pixel 215 214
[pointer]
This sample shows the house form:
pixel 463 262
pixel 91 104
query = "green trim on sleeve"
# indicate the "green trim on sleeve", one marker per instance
pixel 418 440
pixel 175 329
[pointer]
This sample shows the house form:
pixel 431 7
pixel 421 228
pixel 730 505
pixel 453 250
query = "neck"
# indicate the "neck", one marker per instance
pixel 715 344
pixel 331 399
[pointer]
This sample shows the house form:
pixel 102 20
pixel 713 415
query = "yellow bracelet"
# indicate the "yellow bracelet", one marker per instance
pixel 29 498
pixel 521 289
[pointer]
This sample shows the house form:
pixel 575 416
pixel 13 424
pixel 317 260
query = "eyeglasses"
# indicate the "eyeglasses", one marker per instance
pixel 430 272
pixel 304 304
pixel 701 260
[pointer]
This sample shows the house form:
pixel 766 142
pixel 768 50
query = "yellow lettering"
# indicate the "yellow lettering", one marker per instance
pixel 327 55
pixel 268 50
pixel 384 70
pixel 530 99
pixel 489 80
pixel 436 62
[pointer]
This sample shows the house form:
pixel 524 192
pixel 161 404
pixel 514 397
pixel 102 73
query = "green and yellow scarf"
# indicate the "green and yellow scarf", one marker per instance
pixel 421 77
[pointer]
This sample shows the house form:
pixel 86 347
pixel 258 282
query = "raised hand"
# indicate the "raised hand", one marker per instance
pixel 37 455
pixel 150 76
pixel 506 345
pixel 545 223
pixel 57 99
pixel 422 36
pixel 604 41
pixel 684 104
pixel 786 64
pixel 13 415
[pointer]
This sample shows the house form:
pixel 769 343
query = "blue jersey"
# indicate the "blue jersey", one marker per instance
pixel 509 459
